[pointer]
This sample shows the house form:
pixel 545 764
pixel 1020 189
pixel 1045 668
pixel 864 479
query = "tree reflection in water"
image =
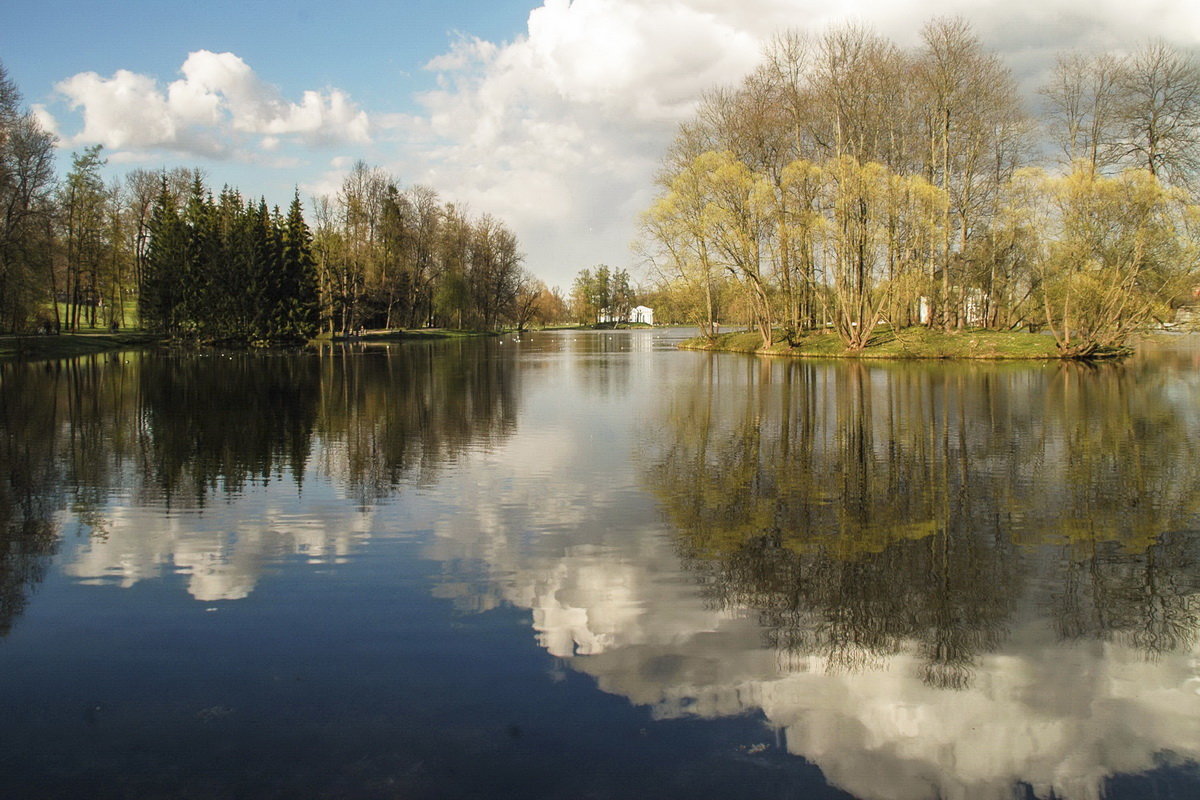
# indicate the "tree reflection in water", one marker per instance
pixel 867 510
pixel 170 430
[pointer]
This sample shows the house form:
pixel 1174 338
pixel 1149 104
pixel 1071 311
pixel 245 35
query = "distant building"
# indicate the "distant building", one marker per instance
pixel 642 314
pixel 973 308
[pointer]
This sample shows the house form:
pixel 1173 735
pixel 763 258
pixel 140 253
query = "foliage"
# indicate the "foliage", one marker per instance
pixel 390 257
pixel 848 182
pixel 26 212
pixel 228 270
pixel 1113 252
pixel 602 295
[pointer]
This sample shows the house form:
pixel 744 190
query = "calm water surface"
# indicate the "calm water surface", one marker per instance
pixel 588 565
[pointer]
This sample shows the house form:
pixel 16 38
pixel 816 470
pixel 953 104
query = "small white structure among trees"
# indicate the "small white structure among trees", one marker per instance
pixel 642 314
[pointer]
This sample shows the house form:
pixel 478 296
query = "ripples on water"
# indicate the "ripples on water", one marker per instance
pixel 586 564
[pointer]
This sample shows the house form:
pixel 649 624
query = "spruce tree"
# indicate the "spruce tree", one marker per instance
pixel 159 302
pixel 200 257
pixel 300 317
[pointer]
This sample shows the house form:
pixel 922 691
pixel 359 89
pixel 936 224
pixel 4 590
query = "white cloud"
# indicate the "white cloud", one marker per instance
pixel 45 119
pixel 124 111
pixel 203 113
pixel 560 130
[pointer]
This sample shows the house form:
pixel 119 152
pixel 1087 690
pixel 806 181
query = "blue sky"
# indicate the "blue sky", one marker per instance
pixel 374 49
pixel 551 116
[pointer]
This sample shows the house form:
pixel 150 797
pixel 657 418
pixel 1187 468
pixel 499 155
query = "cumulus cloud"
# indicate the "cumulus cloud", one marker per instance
pixel 560 130
pixel 45 119
pixel 203 113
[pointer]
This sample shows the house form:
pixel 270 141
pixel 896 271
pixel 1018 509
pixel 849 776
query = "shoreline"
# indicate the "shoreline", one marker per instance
pixel 48 347
pixel 909 344
pixel 45 347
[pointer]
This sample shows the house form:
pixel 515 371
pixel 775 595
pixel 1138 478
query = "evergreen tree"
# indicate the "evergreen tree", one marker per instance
pixel 200 254
pixel 159 302
pixel 264 256
pixel 300 310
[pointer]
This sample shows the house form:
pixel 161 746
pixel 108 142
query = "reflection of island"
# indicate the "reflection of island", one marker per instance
pixel 906 570
pixel 214 449
pixel 867 512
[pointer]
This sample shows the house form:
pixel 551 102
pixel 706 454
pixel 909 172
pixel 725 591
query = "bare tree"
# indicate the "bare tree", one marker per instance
pixel 1159 112
pixel 976 138
pixel 1082 99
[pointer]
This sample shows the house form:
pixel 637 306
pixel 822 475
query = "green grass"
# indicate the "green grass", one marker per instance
pixel 916 342
pixel 130 317
pixel 69 345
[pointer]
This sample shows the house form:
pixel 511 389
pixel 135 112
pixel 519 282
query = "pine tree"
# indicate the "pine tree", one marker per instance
pixel 299 314
pixel 159 302
pixel 201 253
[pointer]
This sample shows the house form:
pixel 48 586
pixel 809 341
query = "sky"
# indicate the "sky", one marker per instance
pixel 552 117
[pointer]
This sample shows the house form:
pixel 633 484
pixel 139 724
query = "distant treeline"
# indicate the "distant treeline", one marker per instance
pixel 849 182
pixel 391 256
pixel 156 248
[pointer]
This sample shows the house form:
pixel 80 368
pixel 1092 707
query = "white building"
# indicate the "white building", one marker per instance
pixel 636 314
pixel 642 314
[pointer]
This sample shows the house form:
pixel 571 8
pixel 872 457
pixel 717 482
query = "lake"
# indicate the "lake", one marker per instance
pixel 588 565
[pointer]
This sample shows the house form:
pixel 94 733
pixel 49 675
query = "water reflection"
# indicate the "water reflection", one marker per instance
pixel 931 580
pixel 927 580
pixel 866 511
pixel 135 446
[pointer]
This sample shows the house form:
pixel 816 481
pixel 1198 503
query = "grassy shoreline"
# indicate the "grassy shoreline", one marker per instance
pixel 400 335
pixel 37 347
pixel 908 343
pixel 69 345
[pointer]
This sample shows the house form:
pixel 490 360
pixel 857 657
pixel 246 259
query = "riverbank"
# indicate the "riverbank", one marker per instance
pixel 400 335
pixel 70 345
pixel 909 343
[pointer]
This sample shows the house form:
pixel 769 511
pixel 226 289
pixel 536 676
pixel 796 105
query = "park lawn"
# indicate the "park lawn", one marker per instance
pixel 130 316
pixel 915 342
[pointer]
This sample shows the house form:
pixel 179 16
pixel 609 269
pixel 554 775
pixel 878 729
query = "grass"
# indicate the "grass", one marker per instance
pixel 130 316
pixel 916 342
pixel 69 345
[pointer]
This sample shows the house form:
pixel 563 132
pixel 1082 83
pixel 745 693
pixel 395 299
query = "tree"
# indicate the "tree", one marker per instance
pixel 589 295
pixel 737 224
pixel 975 139
pixel 1114 251
pixel 1159 112
pixel 675 241
pixel 529 294
pixel 1082 102
pixel 26 183
pixel 875 233
pixel 82 202
pixel 160 295
pixel 297 312
pixel 494 271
